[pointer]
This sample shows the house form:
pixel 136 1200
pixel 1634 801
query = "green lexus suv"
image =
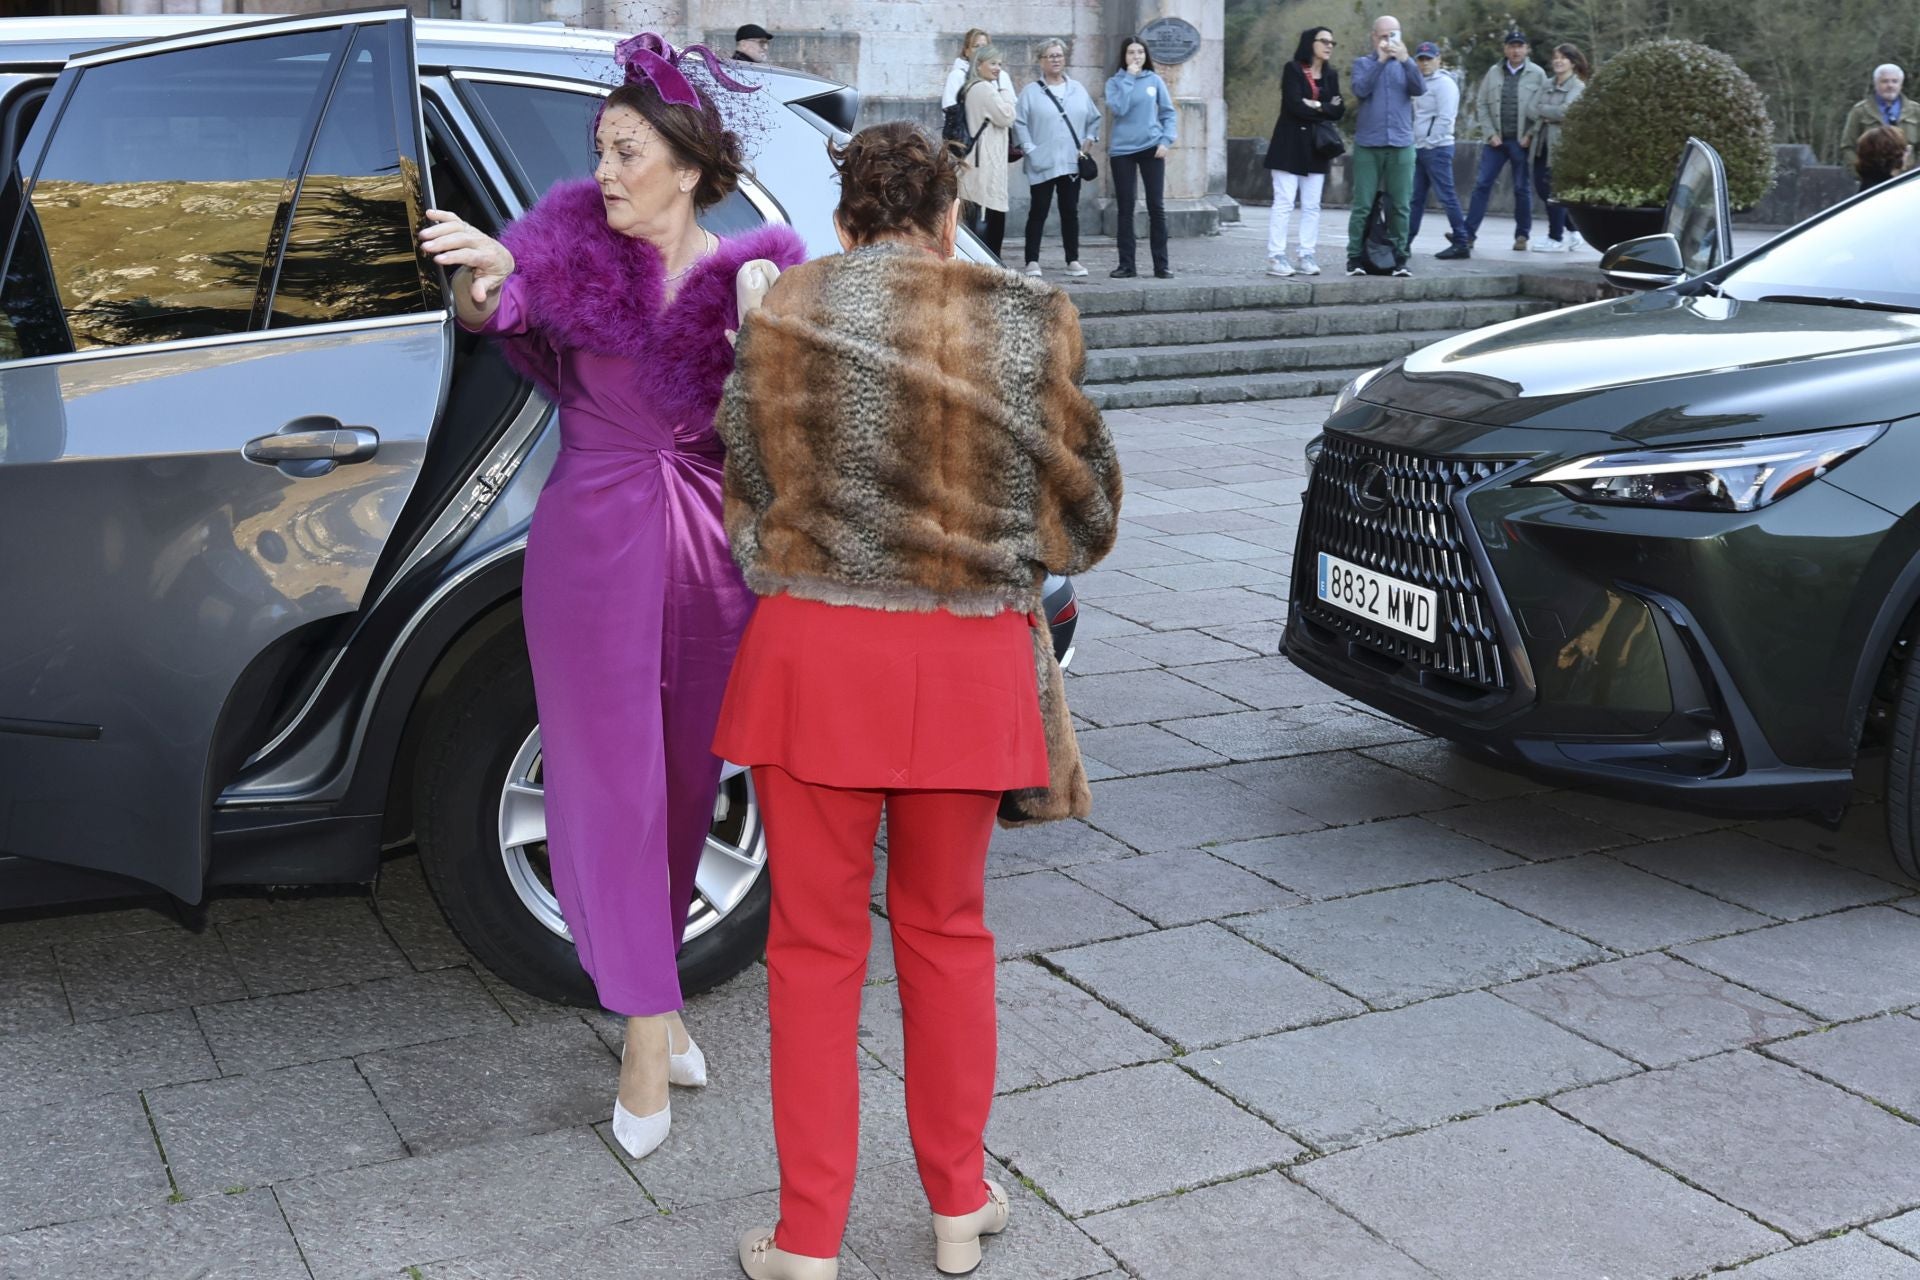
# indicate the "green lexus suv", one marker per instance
pixel 1667 543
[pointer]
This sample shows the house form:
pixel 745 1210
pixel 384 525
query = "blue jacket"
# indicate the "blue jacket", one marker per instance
pixel 1386 91
pixel 1142 109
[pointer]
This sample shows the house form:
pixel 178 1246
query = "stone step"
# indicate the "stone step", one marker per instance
pixel 1221 389
pixel 1206 359
pixel 1165 329
pixel 1118 298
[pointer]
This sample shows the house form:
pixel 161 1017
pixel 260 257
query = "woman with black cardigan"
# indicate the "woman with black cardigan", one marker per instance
pixel 1309 94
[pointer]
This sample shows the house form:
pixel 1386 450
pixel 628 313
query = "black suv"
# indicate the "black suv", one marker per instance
pixel 1667 543
pixel 262 504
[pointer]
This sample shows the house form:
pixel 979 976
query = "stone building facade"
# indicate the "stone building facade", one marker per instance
pixel 897 52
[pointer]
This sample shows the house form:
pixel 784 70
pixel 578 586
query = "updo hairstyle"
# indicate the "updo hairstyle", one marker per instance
pixel 699 138
pixel 895 179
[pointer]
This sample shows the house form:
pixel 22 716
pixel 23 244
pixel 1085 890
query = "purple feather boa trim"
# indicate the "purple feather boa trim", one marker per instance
pixel 586 287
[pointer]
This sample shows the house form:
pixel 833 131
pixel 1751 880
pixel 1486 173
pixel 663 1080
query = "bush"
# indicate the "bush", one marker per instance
pixel 1623 137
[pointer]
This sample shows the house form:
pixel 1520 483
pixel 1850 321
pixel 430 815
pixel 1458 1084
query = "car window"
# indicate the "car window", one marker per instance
pixel 155 198
pixel 350 252
pixel 1861 252
pixel 547 135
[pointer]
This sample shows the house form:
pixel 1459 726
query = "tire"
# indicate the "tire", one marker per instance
pixel 1903 768
pixel 482 845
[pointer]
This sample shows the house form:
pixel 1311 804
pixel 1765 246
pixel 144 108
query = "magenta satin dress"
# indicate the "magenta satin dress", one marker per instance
pixel 633 611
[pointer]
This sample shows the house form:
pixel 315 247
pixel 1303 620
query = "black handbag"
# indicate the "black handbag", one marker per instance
pixel 1089 168
pixel 1327 142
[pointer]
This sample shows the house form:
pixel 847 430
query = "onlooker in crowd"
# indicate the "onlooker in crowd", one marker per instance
pixel 1309 94
pixel 1886 105
pixel 1570 74
pixel 1144 130
pixel 963 68
pixel 1386 82
pixel 1881 152
pixel 1434 113
pixel 1504 114
pixel 751 42
pixel 983 169
pixel 1056 123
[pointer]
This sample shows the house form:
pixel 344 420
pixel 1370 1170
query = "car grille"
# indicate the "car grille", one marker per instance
pixel 1414 536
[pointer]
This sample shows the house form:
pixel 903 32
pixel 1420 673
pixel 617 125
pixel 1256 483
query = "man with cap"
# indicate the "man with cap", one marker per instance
pixel 750 43
pixel 1503 113
pixel 1433 115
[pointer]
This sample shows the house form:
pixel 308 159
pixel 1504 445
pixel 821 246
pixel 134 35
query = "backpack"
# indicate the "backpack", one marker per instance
pixel 953 125
pixel 1376 254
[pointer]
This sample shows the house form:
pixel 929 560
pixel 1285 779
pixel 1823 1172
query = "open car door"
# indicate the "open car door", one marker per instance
pixel 1699 217
pixel 221 357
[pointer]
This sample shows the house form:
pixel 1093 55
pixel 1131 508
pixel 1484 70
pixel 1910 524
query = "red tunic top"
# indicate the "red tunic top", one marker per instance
pixel 876 700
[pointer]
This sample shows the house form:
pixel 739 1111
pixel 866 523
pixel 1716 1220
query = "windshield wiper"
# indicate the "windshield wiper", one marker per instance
pixel 1818 300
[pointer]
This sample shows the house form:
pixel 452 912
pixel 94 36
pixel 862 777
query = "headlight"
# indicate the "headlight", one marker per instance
pixel 1739 476
pixel 1351 392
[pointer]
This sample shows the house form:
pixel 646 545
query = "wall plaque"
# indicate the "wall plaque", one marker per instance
pixel 1171 41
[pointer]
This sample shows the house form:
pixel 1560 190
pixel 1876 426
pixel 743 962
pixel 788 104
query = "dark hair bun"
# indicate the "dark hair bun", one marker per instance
pixel 895 179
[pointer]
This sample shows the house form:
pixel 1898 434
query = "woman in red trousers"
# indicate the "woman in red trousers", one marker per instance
pixel 908 453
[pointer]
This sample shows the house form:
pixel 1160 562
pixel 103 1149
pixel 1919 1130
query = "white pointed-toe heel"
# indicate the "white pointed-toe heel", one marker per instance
pixel 689 1069
pixel 956 1241
pixel 639 1135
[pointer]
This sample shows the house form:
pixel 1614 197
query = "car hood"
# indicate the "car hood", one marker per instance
pixel 1661 367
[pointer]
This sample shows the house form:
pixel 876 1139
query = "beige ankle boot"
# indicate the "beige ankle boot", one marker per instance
pixel 761 1260
pixel 956 1241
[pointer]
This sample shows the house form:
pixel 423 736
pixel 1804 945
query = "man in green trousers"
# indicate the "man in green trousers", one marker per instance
pixel 1386 82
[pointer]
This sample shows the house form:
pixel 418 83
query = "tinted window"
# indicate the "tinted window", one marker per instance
pixel 350 251
pixel 1860 252
pixel 158 191
pixel 547 135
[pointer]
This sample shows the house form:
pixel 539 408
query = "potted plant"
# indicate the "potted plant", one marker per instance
pixel 1616 156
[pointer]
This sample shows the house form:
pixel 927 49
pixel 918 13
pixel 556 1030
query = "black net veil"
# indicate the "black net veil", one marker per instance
pixel 732 94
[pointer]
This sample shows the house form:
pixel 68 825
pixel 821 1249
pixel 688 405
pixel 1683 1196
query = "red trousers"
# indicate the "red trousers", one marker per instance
pixel 821 842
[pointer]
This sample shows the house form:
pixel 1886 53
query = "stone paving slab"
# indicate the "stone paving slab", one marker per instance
pixel 1532 828
pixel 1798 1154
pixel 1185 810
pixel 1339 788
pixel 1850 1257
pixel 1760 876
pixel 1879 1058
pixel 81 1158
pixel 890 1233
pixel 1388 1073
pixel 1341 861
pixel 239 1237
pixel 1613 904
pixel 1645 821
pixel 1525 1194
pixel 1656 1010
pixel 1136 697
pixel 320 943
pixel 1264 684
pixel 1130 750
pixel 1837 967
pixel 1257 1228
pixel 1201 985
pixel 1051 846
pixel 23 930
pixel 1111 1139
pixel 1902 1232
pixel 1446 765
pixel 114 977
pixel 384 1217
pixel 31 995
pixel 1181 649
pixel 1402 945
pixel 1043 910
pixel 1050 1030
pixel 68 1063
pixel 518 1081
pixel 1289 731
pixel 1182 886
pixel 251 1131
pixel 413 919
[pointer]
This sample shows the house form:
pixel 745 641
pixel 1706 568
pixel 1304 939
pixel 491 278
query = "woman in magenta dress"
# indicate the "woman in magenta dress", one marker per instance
pixel 611 296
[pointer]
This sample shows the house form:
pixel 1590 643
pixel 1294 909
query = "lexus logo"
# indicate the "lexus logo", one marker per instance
pixel 1368 488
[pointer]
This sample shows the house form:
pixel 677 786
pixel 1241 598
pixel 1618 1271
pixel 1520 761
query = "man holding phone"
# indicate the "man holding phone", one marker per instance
pixel 1386 82
pixel 1505 110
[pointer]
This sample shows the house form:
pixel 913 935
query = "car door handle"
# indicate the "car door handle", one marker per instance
pixel 313 446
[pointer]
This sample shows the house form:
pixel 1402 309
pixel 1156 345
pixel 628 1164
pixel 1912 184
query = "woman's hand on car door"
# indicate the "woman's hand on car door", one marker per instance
pixel 454 243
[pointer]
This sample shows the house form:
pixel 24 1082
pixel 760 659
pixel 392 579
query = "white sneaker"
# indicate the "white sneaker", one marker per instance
pixel 1307 265
pixel 1278 267
pixel 1574 241
pixel 1547 246
pixel 1075 270
pixel 1033 269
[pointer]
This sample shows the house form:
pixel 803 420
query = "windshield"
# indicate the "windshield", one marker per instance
pixel 1861 252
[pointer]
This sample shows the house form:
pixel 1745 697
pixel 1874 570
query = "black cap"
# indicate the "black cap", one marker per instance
pixel 1516 36
pixel 752 31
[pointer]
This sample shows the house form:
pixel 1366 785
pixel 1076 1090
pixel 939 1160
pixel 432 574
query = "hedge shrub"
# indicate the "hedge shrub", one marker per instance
pixel 1623 137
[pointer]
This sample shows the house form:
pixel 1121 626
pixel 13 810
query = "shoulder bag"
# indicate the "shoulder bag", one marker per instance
pixel 1089 168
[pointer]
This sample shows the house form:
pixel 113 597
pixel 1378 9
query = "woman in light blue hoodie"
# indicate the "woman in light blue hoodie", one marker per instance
pixel 1144 129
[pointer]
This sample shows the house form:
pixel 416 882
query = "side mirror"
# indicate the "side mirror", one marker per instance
pixel 1651 262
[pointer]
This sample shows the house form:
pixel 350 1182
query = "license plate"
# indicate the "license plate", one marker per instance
pixel 1394 604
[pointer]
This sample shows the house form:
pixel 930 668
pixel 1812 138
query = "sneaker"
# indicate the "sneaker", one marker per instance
pixel 1121 273
pixel 1033 269
pixel 1308 266
pixel 1075 270
pixel 1456 251
pixel 1354 268
pixel 1519 244
pixel 1278 267
pixel 1548 246
pixel 1403 271
pixel 1574 242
